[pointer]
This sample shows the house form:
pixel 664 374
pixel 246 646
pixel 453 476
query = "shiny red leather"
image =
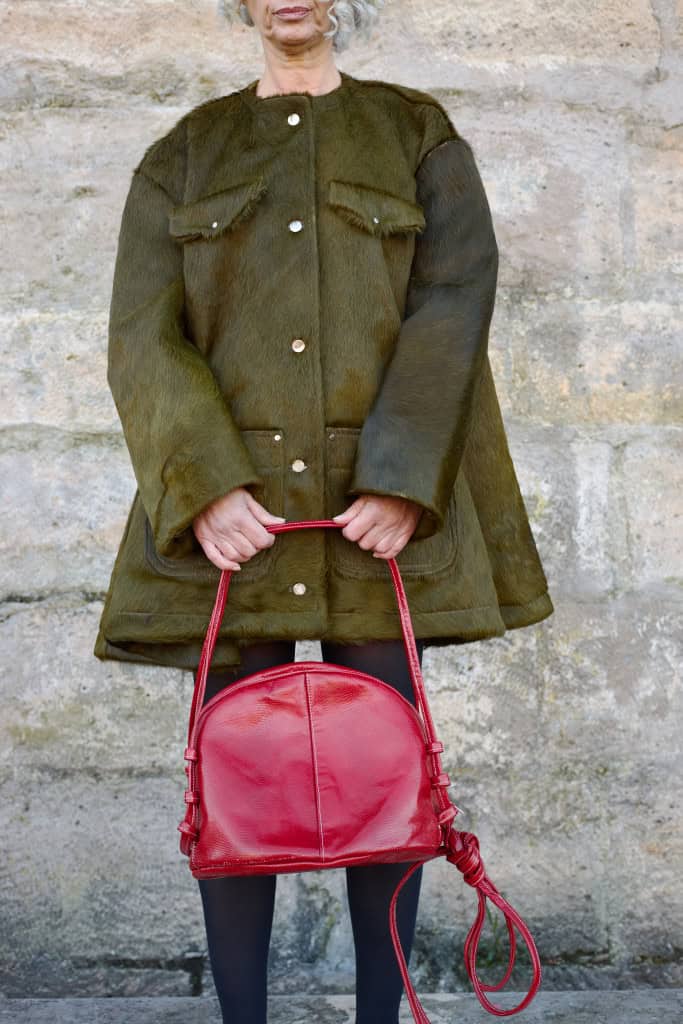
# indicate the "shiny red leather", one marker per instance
pixel 312 765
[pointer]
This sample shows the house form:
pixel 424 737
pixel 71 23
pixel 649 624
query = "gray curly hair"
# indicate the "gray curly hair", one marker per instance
pixel 347 17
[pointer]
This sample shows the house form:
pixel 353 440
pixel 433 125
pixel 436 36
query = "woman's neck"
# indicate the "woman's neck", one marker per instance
pixel 316 80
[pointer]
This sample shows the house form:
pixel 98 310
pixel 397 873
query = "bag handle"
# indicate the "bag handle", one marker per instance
pixel 440 778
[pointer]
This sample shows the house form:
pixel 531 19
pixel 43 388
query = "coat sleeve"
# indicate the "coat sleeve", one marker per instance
pixel 414 436
pixel 184 445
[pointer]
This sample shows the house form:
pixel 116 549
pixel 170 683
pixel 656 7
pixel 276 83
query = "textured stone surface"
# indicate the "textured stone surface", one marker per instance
pixel 562 741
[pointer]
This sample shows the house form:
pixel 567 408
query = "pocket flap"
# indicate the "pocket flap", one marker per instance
pixel 379 213
pixel 215 214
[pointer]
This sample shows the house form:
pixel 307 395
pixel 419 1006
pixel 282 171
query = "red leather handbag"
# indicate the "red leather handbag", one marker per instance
pixel 312 765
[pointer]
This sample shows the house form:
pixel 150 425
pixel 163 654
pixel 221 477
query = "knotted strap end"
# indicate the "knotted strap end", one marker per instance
pixel 462 849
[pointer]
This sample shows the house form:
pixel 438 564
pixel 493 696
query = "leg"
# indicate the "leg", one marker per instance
pixel 379 985
pixel 238 910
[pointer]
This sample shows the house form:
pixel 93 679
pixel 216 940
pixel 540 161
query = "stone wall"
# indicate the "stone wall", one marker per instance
pixel 561 738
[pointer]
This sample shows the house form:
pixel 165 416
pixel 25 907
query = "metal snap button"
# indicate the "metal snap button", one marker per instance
pixel 375 220
pixel 299 588
pixel 215 224
pixel 298 345
pixel 277 437
pixel 293 119
pixel 298 465
pixel 295 225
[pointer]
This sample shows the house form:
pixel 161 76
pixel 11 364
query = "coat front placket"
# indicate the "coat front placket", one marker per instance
pixel 288 142
pixel 274 306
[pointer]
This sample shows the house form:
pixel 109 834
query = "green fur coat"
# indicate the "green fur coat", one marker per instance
pixel 301 304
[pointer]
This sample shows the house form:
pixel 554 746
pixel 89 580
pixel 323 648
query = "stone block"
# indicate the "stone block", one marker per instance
pixel 655 154
pixel 65 497
pixel 67 713
pixel 652 482
pixel 53 371
pixel 587 361
pixel 65 226
pixel 92 881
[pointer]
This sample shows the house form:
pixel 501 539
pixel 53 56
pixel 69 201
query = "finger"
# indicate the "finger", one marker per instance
pixel 390 544
pixel 261 512
pixel 252 533
pixel 218 558
pixel 252 522
pixel 374 536
pixel 363 520
pixel 385 556
pixel 236 537
pixel 220 548
pixel 245 533
pixel 393 541
pixel 352 511
pixel 243 540
pixel 234 544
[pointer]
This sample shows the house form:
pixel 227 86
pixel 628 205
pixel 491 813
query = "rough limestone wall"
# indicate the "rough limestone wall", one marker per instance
pixel 560 738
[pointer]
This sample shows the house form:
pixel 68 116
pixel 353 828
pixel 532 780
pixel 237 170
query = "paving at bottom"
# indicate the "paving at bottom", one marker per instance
pixel 626 1006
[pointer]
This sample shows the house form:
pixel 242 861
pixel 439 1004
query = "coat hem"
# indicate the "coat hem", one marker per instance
pixel 516 616
pixel 439 628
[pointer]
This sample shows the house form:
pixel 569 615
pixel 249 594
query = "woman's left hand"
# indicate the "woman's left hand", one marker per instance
pixel 380 522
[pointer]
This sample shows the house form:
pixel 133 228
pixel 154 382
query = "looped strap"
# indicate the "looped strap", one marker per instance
pixel 462 849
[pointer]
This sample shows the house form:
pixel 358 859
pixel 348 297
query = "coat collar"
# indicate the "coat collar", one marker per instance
pixel 275 105
pixel 269 113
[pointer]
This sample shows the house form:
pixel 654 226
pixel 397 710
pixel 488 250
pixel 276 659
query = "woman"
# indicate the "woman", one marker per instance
pixel 304 283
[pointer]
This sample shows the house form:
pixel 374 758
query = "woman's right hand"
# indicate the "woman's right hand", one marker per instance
pixel 232 528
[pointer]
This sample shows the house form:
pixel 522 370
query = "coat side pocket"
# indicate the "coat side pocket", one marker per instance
pixel 267 455
pixel 427 557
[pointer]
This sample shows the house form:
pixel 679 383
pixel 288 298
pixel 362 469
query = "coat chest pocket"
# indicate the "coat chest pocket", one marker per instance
pixel 214 215
pixel 426 557
pixel 267 456
pixel 377 213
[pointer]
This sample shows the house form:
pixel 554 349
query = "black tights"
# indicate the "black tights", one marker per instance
pixel 238 910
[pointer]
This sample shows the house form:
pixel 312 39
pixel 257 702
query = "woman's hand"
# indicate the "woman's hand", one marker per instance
pixel 382 522
pixel 232 528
